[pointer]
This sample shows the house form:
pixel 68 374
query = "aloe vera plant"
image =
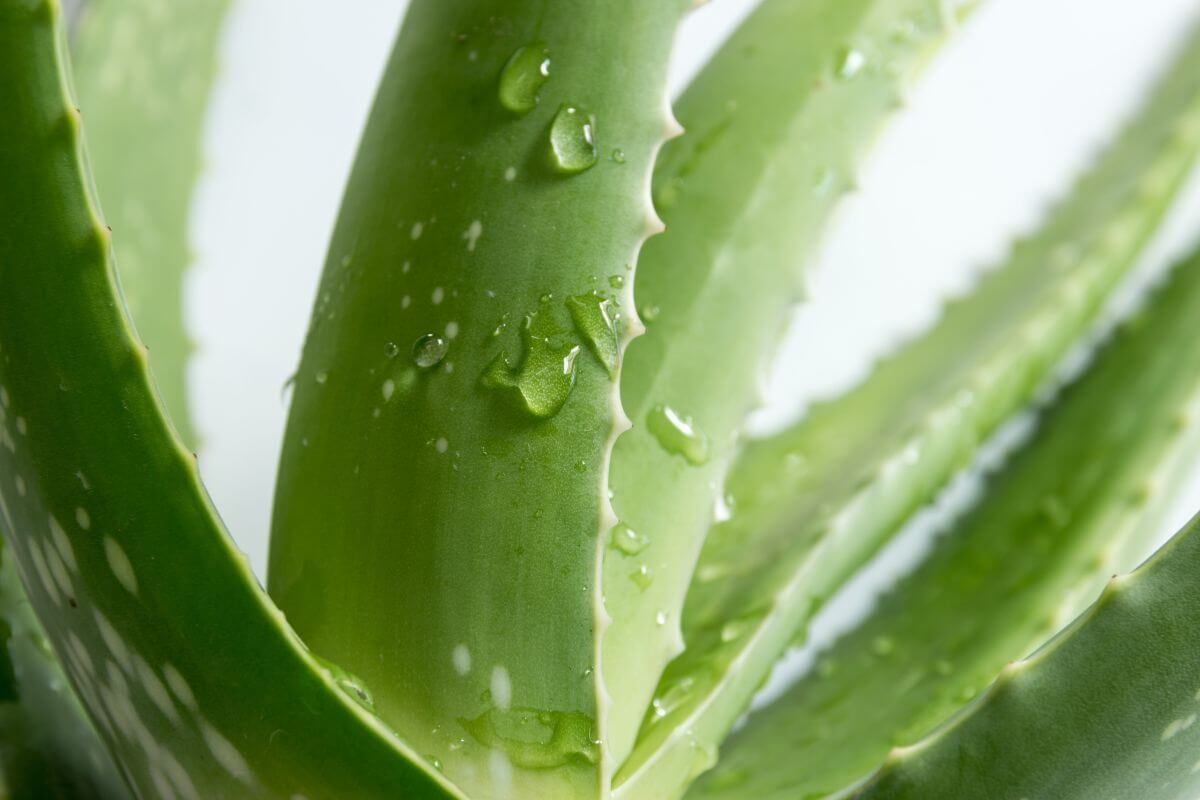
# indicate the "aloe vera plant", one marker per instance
pixel 494 538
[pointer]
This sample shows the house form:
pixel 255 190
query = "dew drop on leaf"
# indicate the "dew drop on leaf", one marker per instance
pixel 429 350
pixel 595 320
pixel 677 435
pixel 573 140
pixel 850 62
pixel 627 540
pixel 523 76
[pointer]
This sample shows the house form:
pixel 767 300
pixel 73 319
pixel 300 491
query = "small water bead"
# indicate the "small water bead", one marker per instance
pixel 618 155
pixel 850 62
pixel 434 762
pixel 642 577
pixel 677 435
pixel 321 377
pixel 616 281
pixel 523 77
pixel 429 350
pixel 627 540
pixel 391 349
pixel 573 140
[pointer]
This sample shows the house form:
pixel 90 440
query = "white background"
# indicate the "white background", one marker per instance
pixel 994 132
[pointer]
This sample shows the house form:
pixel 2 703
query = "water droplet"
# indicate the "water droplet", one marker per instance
pixel 429 350
pixel 649 313
pixel 616 281
pixel 642 577
pixel 660 618
pixel 434 762
pixel 618 156
pixel 627 540
pixel 321 377
pixel 677 435
pixel 672 697
pixel 537 739
pixel 391 349
pixel 522 78
pixel 850 62
pixel 595 319
pixel 573 140
pixel 543 380
pixel 351 685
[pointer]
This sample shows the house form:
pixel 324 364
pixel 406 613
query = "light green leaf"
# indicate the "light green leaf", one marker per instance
pixel 776 125
pixel 811 504
pixel 163 632
pixel 445 473
pixel 1071 507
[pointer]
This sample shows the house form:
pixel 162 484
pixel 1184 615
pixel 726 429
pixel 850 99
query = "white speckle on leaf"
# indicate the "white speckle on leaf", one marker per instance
pixel 179 686
pixel 120 565
pixel 510 174
pixel 462 659
pixel 223 751
pixel 389 389
pixel 501 688
pixel 451 329
pixel 472 234
pixel 1178 726
pixel 83 519
pixel 442 444
pixel 417 229
pixel 438 294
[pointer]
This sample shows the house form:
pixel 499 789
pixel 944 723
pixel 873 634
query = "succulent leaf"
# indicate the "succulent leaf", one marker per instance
pixel 445 472
pixel 812 503
pixel 1108 707
pixel 162 629
pixel 1078 502
pixel 145 107
pixel 776 124
pixel 142 77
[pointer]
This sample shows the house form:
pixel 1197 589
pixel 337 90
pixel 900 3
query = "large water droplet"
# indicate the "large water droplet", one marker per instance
pixel 429 350
pixel 676 434
pixel 537 739
pixel 596 320
pixel 523 76
pixel 544 379
pixel 573 140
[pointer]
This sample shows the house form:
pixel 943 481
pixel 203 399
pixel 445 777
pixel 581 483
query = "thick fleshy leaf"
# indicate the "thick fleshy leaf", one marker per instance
pixel 145 108
pixel 776 125
pixel 142 78
pixel 809 505
pixel 1074 505
pixel 445 472
pixel 194 680
pixel 1106 709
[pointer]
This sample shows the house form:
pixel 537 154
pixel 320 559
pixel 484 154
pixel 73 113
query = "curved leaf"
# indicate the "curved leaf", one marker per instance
pixel 1069 509
pixel 444 476
pixel 1106 709
pixel 812 503
pixel 777 123
pixel 192 677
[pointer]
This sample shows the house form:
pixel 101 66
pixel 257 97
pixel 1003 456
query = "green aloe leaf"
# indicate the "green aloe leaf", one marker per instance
pixel 776 125
pixel 145 108
pixel 162 630
pixel 812 503
pixel 1108 707
pixel 142 77
pixel 445 471
pixel 1072 506
pixel 48 747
